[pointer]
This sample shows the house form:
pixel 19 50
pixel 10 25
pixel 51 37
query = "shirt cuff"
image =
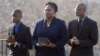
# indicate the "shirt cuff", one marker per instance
pixel 17 44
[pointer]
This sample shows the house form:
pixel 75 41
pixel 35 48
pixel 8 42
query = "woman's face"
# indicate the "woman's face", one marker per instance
pixel 49 11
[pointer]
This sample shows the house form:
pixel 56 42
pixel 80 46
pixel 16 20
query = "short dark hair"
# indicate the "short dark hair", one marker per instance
pixel 84 5
pixel 18 11
pixel 53 5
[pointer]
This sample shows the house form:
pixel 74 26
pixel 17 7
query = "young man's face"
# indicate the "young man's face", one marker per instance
pixel 80 11
pixel 16 17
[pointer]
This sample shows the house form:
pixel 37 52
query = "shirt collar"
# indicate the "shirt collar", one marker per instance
pixel 17 24
pixel 82 19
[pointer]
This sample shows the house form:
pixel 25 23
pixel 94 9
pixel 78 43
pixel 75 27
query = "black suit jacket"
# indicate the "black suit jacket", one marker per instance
pixel 23 37
pixel 88 37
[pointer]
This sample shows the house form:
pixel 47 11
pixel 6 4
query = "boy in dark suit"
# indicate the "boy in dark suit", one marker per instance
pixel 19 40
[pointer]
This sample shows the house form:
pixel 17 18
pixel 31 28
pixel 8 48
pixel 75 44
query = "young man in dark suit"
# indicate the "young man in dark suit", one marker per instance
pixel 82 33
pixel 19 40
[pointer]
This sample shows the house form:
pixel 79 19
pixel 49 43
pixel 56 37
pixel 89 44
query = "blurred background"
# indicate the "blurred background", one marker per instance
pixel 33 11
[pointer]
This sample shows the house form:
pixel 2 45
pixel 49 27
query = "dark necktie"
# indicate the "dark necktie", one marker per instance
pixel 79 25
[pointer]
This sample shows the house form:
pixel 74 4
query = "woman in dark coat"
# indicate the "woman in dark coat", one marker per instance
pixel 50 34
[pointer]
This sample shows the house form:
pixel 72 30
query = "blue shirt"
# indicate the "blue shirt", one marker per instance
pixel 17 26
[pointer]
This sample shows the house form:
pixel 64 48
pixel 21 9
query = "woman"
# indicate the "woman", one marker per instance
pixel 50 34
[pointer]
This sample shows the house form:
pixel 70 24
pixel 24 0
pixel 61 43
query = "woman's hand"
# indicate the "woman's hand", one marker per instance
pixel 38 45
pixel 50 44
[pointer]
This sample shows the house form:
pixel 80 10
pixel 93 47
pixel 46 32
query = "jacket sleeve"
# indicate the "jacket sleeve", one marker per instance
pixel 63 35
pixel 10 31
pixel 35 37
pixel 28 40
pixel 69 36
pixel 93 36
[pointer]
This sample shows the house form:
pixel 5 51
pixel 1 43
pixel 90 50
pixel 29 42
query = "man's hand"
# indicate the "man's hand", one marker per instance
pixel 75 40
pixel 11 40
pixel 8 40
pixel 71 41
